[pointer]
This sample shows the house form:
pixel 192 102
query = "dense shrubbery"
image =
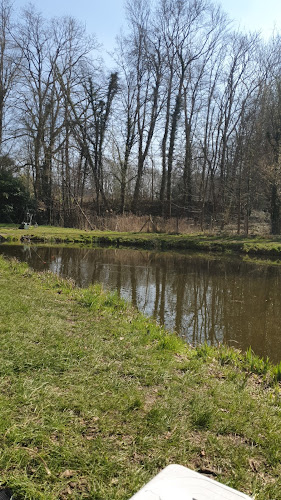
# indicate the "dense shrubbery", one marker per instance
pixel 14 198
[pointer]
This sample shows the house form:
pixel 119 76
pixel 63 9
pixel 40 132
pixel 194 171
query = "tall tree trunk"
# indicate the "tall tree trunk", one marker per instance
pixel 174 127
pixel 187 189
pixel 164 146
pixel 275 210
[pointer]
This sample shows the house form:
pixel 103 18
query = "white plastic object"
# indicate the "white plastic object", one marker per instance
pixel 177 482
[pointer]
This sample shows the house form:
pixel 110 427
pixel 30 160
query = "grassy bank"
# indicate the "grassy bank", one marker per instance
pixel 258 245
pixel 96 399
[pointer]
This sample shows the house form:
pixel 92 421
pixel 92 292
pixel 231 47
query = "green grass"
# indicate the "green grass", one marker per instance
pixel 249 246
pixel 95 398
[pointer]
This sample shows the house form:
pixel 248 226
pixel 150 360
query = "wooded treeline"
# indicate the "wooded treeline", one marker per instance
pixel 188 123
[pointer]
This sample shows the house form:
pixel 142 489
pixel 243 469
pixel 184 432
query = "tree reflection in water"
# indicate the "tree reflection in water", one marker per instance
pixel 212 299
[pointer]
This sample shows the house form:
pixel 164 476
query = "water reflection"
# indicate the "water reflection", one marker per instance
pixel 203 299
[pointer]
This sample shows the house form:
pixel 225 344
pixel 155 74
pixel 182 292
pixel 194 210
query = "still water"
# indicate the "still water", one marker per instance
pixel 212 299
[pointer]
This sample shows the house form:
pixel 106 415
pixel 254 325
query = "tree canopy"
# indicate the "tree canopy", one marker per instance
pixel 186 123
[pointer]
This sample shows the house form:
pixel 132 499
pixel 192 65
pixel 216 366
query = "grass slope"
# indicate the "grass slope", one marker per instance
pixel 95 398
pixel 257 245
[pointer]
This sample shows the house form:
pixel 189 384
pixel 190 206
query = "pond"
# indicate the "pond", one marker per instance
pixel 203 298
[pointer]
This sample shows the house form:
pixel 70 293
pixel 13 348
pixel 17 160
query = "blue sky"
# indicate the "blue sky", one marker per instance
pixel 105 17
pixel 255 15
pixel 102 17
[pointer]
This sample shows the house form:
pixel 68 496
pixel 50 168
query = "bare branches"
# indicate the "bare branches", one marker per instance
pixel 187 122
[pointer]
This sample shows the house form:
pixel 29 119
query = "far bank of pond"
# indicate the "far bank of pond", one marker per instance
pixel 208 298
pixel 252 245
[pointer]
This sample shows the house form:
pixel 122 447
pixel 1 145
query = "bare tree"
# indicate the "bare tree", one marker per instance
pixel 49 49
pixel 125 116
pixel 10 57
pixel 190 32
pixel 146 59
